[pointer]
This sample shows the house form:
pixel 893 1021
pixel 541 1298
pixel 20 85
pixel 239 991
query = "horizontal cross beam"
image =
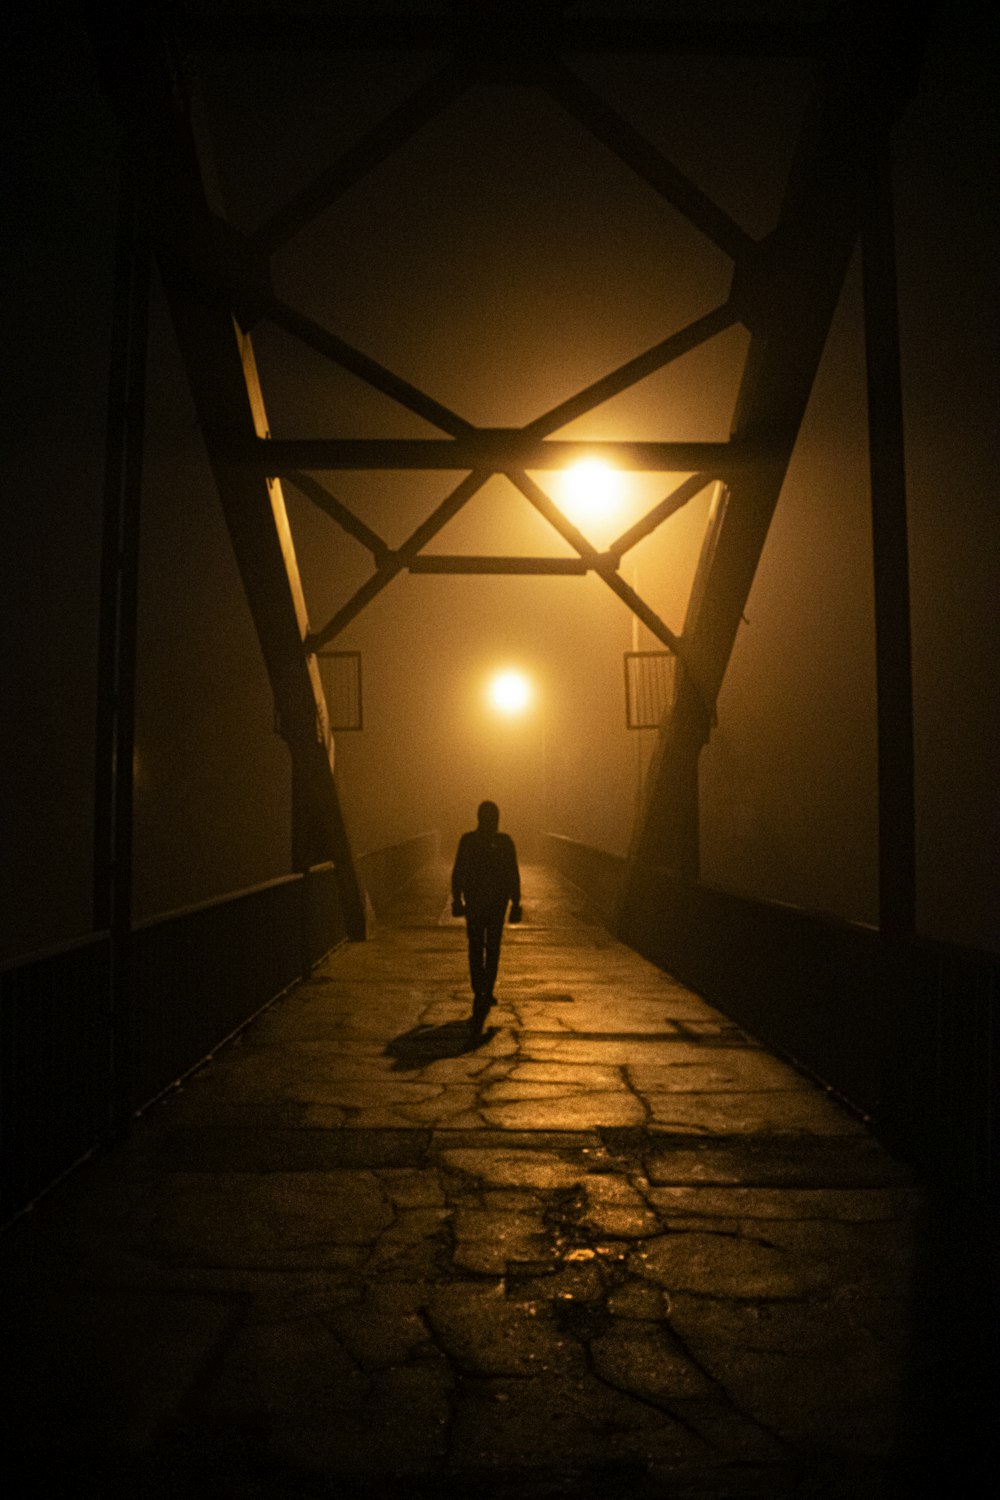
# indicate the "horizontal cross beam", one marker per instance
pixel 573 566
pixel 495 450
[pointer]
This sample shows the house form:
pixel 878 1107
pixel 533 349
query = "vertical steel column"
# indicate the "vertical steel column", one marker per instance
pixel 113 814
pixel 890 560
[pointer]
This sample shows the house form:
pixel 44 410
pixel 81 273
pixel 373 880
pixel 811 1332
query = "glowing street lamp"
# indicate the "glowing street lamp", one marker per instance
pixel 510 692
pixel 591 490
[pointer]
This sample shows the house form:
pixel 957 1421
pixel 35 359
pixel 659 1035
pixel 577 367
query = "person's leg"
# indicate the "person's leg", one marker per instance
pixel 493 933
pixel 475 929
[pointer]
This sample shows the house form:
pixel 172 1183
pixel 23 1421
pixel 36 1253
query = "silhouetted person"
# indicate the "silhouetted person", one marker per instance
pixel 484 879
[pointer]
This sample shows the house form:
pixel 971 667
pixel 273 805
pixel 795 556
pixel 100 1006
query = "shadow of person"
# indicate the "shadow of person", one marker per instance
pixel 425 1044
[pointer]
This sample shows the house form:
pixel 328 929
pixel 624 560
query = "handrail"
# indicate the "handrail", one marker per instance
pixel 213 902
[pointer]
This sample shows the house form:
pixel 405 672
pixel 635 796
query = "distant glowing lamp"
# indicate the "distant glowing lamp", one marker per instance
pixel 510 692
pixel 591 489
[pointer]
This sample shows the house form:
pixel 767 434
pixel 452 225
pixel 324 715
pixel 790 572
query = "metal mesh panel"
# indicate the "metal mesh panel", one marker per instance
pixel 649 687
pixel 341 674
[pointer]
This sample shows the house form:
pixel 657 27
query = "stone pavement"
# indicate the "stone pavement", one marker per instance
pixel 614 1249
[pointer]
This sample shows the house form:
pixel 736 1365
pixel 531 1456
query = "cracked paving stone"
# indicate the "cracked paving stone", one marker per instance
pixel 575 1051
pixel 643 1360
pixel 774 1161
pixel 622 1223
pixel 412 1189
pixel 286 1219
pixel 581 1112
pixel 279 1370
pixel 483 1245
pixel 446 1106
pixel 452 1070
pixel 552 1422
pixel 736 1071
pixel 402 1260
pixel 497 1224
pixel 607 1188
pixel 787 1112
pixel 381 1093
pixel 413 1225
pixel 724 1265
pixel 637 1299
pixel 733 1433
pixel 569 1283
pixel 487 1335
pixel 613 1207
pixel 372 1119
pixel 379 1334
pixel 470 1120
pixel 593 1078
pixel 848 1402
pixel 827 1327
pixel 509 1200
pixel 537 1169
pixel 515 1091
pixel 618 1250
pixel 871 1256
pixel 850 1205
pixel 292 1295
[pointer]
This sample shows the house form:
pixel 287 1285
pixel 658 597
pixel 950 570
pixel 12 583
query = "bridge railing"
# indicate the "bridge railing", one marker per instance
pixel 385 871
pixel 68 1073
pixel 905 1032
pixel 201 973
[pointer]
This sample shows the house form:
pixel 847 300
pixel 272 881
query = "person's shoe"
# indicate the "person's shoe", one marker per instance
pixel 480 1009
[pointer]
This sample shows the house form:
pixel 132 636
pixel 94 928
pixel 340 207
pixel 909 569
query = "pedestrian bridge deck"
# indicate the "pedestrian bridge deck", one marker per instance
pixel 611 1246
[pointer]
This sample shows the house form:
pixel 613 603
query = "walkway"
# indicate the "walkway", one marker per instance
pixel 616 1249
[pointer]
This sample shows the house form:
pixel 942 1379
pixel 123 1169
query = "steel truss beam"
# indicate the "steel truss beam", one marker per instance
pixel 554 566
pixel 215 251
pixel 605 567
pixel 410 559
pixel 498 450
pixel 394 563
pixel 794 286
pixel 219 363
pixel 784 291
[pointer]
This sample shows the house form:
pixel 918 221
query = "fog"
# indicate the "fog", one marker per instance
pixel 501 261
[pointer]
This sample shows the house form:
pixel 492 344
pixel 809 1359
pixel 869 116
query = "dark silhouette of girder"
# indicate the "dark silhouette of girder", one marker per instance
pixel 784 291
pixel 498 450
